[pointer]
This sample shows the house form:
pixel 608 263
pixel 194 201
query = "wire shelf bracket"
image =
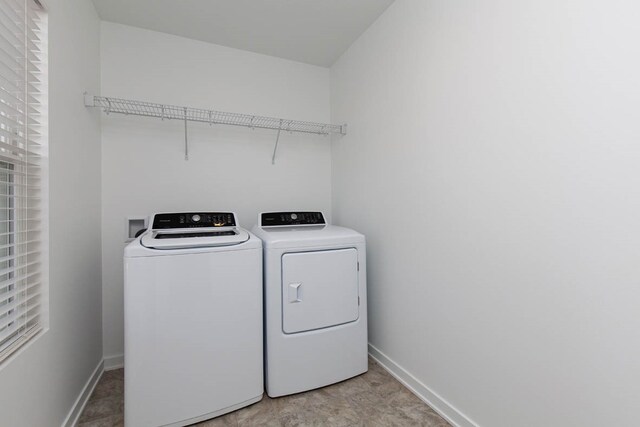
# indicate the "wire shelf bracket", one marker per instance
pixel 188 114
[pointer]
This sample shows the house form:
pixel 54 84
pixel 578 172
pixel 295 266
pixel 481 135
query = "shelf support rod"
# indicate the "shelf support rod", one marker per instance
pixel 275 148
pixel 186 139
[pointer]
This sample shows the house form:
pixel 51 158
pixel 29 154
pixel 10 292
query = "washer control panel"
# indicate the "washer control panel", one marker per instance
pixel 280 219
pixel 193 220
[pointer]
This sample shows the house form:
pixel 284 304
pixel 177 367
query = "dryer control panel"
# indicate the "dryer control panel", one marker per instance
pixel 280 219
pixel 164 221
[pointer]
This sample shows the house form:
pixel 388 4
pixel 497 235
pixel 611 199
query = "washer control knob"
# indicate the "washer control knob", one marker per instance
pixel 195 218
pixel 294 216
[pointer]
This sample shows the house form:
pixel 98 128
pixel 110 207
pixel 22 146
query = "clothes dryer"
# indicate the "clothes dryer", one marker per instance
pixel 315 301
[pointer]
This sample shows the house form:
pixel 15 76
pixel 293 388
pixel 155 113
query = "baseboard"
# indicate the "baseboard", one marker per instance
pixel 114 362
pixel 83 398
pixel 437 403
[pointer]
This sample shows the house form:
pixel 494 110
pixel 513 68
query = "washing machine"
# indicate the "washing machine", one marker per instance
pixel 193 320
pixel 315 301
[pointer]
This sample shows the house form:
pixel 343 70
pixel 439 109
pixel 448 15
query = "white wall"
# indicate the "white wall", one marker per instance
pixel 229 168
pixel 40 386
pixel 492 162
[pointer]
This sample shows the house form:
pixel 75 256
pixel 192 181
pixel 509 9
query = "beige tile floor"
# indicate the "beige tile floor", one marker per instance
pixel 372 399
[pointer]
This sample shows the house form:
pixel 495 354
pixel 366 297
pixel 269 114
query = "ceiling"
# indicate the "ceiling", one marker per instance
pixel 312 31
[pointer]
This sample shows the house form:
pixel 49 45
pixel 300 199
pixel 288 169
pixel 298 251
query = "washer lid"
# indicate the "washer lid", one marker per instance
pixel 193 230
pixel 190 238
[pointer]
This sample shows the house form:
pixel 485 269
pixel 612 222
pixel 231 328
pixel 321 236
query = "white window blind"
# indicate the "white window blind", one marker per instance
pixel 23 152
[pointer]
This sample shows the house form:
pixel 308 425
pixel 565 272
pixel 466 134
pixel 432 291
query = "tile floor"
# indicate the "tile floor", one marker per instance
pixel 372 399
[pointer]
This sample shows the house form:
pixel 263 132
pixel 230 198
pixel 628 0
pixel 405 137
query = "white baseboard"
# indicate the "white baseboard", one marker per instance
pixel 83 398
pixel 437 403
pixel 114 362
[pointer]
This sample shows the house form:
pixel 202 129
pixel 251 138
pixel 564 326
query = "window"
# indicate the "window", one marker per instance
pixel 23 154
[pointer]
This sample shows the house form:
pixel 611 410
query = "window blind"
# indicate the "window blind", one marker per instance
pixel 23 90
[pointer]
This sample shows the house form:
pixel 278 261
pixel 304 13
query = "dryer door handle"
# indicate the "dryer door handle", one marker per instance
pixel 295 292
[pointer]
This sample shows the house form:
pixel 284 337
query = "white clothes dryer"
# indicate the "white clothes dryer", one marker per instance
pixel 193 320
pixel 315 302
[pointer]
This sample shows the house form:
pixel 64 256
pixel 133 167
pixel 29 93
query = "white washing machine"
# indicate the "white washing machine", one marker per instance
pixel 193 320
pixel 315 302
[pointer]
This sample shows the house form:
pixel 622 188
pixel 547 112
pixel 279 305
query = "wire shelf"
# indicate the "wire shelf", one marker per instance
pixel 174 112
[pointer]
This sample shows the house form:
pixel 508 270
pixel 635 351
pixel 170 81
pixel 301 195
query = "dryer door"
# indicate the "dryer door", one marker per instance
pixel 319 289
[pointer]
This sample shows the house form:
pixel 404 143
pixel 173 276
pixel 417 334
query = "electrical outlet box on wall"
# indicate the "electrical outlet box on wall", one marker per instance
pixel 132 225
